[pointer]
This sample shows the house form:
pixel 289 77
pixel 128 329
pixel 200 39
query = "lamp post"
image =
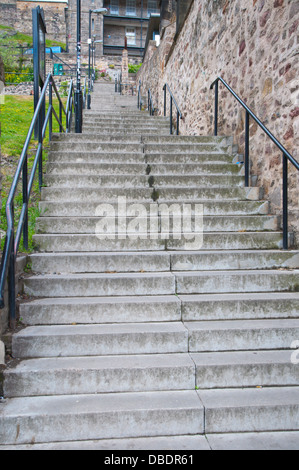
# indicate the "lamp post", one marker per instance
pixel 98 11
pixel 78 93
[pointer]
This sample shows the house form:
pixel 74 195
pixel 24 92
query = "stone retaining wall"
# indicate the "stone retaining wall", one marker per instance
pixel 253 45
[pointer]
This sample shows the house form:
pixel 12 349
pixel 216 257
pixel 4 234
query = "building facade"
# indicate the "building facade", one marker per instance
pixel 127 19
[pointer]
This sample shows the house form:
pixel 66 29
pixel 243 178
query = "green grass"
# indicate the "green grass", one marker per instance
pixel 16 116
pixel 22 39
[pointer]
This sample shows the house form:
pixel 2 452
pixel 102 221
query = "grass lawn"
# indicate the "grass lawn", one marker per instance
pixel 16 114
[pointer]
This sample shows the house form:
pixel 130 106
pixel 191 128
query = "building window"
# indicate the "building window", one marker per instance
pixel 131 8
pixel 131 36
pixel 92 24
pixel 151 7
pixel 114 7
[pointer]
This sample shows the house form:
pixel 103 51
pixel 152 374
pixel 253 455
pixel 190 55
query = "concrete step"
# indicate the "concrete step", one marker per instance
pixel 196 168
pixel 100 340
pixel 103 416
pixel 240 306
pixel 238 335
pixel 131 144
pixel 97 181
pixel 143 242
pixel 251 410
pixel 105 156
pixel 191 181
pixel 96 310
pixel 288 440
pixel 100 146
pixel 188 442
pixel 162 262
pixel 233 260
pixel 95 169
pixel 128 225
pixel 237 281
pixel 143 180
pixel 100 374
pixel 241 369
pixel 100 262
pixel 81 194
pixel 181 156
pixel 88 285
pixel 213 208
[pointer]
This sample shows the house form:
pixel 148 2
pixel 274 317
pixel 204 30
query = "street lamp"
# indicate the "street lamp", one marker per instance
pixel 78 93
pixel 98 11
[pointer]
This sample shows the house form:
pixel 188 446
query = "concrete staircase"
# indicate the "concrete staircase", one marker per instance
pixel 136 342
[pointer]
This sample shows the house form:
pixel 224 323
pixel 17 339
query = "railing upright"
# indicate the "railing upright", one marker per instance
pixel 12 239
pixel 287 157
pixel 178 114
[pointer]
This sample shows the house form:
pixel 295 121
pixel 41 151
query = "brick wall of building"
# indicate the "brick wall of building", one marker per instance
pixel 253 45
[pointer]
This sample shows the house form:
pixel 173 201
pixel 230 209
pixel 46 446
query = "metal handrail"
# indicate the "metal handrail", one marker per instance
pixel 139 97
pixel 179 114
pixel 12 240
pixel 150 105
pixel 286 155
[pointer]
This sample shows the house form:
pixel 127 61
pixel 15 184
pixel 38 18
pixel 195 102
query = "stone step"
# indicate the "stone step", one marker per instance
pixel 122 133
pixel 233 260
pixel 97 181
pixel 162 262
pixel 99 158
pixel 196 168
pixel 245 369
pixel 240 306
pixel 104 416
pixel 188 442
pixel 154 225
pixel 96 147
pixel 95 169
pixel 214 208
pixel 242 335
pixel 100 374
pixel 288 440
pixel 237 281
pixel 141 181
pixel 143 242
pixel 168 157
pixel 93 310
pixel 107 284
pixel 117 144
pixel 248 410
pixel 100 262
pixel 100 340
pixel 138 195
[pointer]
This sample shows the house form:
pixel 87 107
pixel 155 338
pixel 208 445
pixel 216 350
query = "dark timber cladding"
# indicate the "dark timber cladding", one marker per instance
pixel 127 18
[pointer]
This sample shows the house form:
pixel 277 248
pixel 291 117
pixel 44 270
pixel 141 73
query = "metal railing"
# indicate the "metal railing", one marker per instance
pixel 179 114
pixel 150 105
pixel 286 156
pixel 139 96
pixel 41 121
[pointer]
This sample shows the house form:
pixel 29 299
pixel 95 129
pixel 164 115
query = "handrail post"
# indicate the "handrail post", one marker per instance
pixel 50 104
pixel 165 101
pixel 12 279
pixel 247 135
pixel 171 131
pixel 60 117
pixel 216 109
pixel 285 202
pixel 25 201
pixel 40 141
pixel 177 123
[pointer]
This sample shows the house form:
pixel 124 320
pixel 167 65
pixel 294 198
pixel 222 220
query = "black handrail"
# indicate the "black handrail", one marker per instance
pixel 12 240
pixel 286 155
pixel 179 114
pixel 139 97
pixel 150 105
